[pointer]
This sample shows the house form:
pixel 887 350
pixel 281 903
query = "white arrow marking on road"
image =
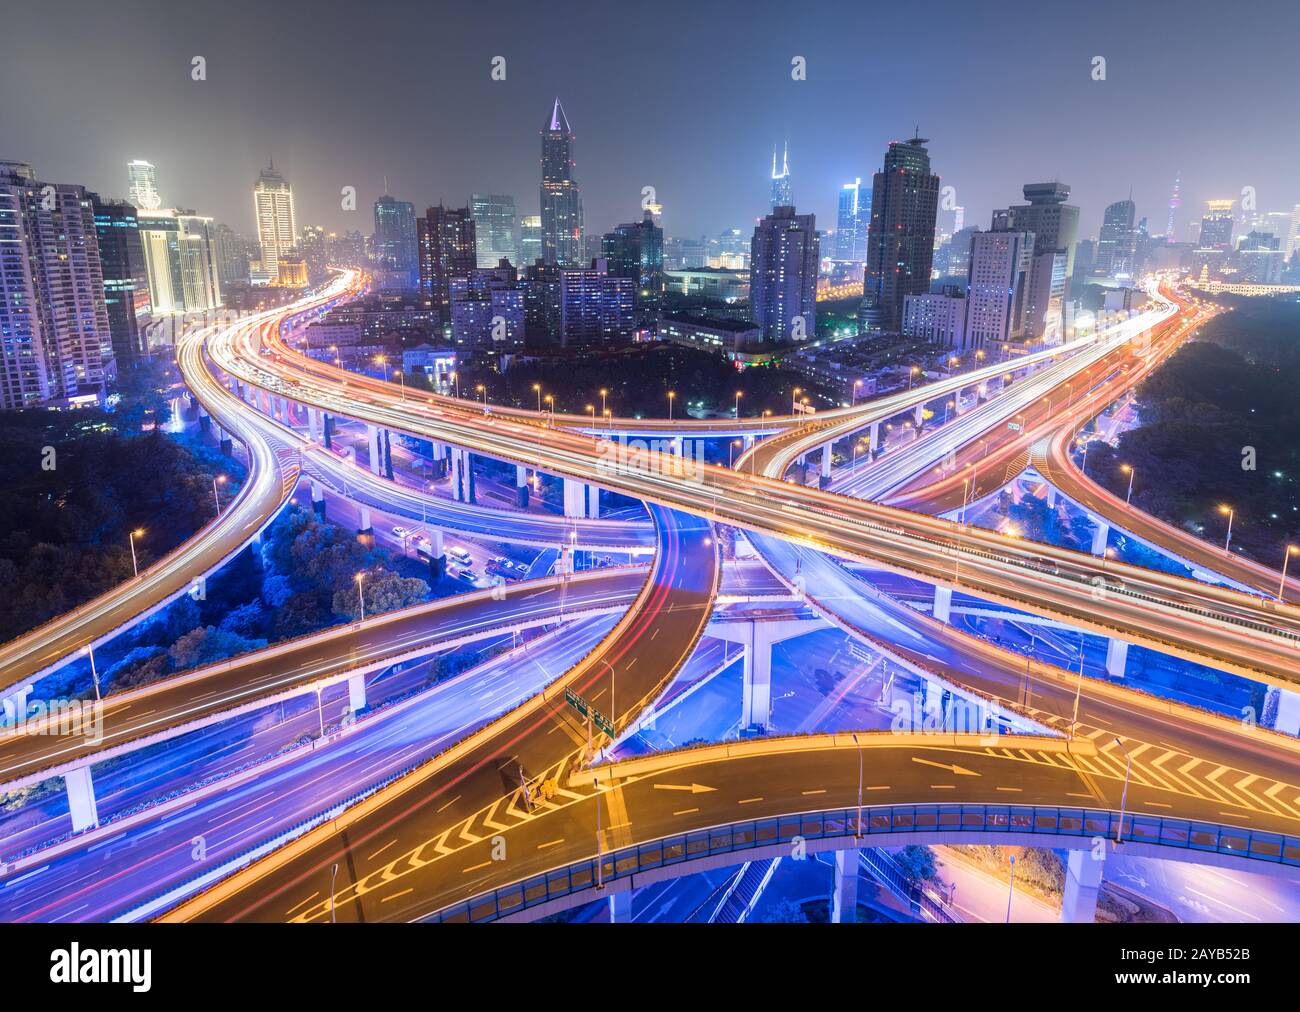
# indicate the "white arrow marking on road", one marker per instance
pixel 961 771
pixel 693 788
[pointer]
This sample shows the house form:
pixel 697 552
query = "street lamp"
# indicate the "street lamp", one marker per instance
pixel 603 393
pixel 90 649
pixel 856 384
pixel 1011 891
pixel 215 479
pixel 361 600
pixel 794 399
pixel 1130 472
pixel 671 397
pixel 537 389
pixel 384 362
pixel 857 835
pixel 1229 512
pixel 482 390
pixel 911 375
pixel 731 451
pixel 1123 800
pixel 139 532
pixel 550 406
pixel 739 394
pixel 1286 557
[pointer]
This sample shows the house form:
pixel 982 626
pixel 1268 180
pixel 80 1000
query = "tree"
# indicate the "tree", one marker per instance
pixel 208 645
pixel 384 591
pixel 917 863
pixel 784 912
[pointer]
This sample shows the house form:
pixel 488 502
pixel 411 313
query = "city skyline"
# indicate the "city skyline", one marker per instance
pixel 350 126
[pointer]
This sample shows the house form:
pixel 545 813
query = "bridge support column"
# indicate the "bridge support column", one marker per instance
pixel 363 525
pixel 226 443
pixel 372 444
pixel 757 638
pixel 873 439
pixel 942 603
pixel 826 466
pixel 318 499
pixel 205 420
pixel 747 443
pixel 386 448
pixel 439 460
pixel 620 907
pixel 13 707
pixel 521 486
pixel 1287 718
pixel 1051 497
pixel 357 692
pixel 593 502
pixel 918 415
pixel 81 799
pixel 1099 537
pixel 575 498
pixel 437 555
pixel 454 466
pixel 844 902
pixel 328 432
pixel 1116 656
pixel 1082 884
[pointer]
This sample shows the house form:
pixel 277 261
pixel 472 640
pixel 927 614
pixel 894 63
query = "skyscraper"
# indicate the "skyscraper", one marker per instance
pixel 142 185
pixel 277 230
pixel 395 237
pixel 530 240
pixel 494 228
pixel 55 340
pixel 180 253
pixel 447 249
pixel 561 203
pixel 1055 223
pixel 1116 244
pixel 853 223
pixel 126 277
pixel 1216 225
pixel 1174 201
pixel 595 307
pixel 782 190
pixel 234 253
pixel 900 247
pixel 1000 262
pixel 783 275
pixel 636 251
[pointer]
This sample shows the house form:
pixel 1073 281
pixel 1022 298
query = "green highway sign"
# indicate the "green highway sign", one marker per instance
pixel 587 710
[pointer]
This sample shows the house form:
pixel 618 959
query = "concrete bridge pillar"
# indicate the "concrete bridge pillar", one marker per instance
pixel 575 498
pixel 81 799
pixel 918 415
pixel 873 440
pixel 521 486
pixel 313 425
pixel 826 465
pixel 357 692
pixel 593 502
pixel 1099 537
pixel 1287 719
pixel 844 902
pixel 205 420
pixel 439 460
pixel 13 707
pixel 328 437
pixel 363 525
pixel 620 907
pixel 318 499
pixel 942 603
pixel 437 554
pixel 1051 497
pixel 747 443
pixel 386 449
pixel 372 446
pixel 1082 884
pixel 1116 656
pixel 757 637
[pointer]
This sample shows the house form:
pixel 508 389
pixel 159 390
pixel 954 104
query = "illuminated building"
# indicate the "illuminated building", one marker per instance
pixel 636 251
pixel 55 340
pixel 783 275
pixel 126 276
pixel 494 228
pixel 487 309
pixel 448 250
pixel 395 243
pixel 938 317
pixel 996 293
pixel 181 257
pixel 900 246
pixel 142 185
pixel 853 222
pixel 277 230
pixel 1216 225
pixel 595 308
pixel 561 203
pixel 782 190
pixel 1117 242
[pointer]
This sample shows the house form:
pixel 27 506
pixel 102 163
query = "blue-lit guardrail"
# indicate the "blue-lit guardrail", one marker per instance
pixel 877 825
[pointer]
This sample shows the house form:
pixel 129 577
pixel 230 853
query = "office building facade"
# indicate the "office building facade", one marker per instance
pixel 783 260
pixel 900 246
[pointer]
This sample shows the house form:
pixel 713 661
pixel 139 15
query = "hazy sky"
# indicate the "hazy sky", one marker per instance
pixel 687 97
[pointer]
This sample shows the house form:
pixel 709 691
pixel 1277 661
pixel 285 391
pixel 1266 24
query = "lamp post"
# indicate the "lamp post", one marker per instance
pixel 361 600
pixel 857 835
pixel 794 399
pixel 550 407
pixel 131 537
pixel 537 389
pixel 1286 557
pixel 384 362
pixel 603 393
pixel 739 394
pixel 1128 498
pixel 1123 800
pixel 94 675
pixel 1011 891
pixel 482 390
pixel 856 384
pixel 671 397
pixel 731 452
pixel 911 375
pixel 216 498
pixel 1229 512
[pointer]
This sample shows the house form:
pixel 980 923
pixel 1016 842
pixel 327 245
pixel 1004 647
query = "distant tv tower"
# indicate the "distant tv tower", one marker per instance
pixel 1173 206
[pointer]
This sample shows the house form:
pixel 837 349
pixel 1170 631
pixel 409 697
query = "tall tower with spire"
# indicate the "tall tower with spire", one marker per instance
pixel 1174 201
pixel 561 203
pixel 782 193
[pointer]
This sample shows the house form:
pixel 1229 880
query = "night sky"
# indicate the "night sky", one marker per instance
pixel 687 97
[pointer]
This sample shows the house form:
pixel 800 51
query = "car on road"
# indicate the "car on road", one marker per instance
pixel 401 532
